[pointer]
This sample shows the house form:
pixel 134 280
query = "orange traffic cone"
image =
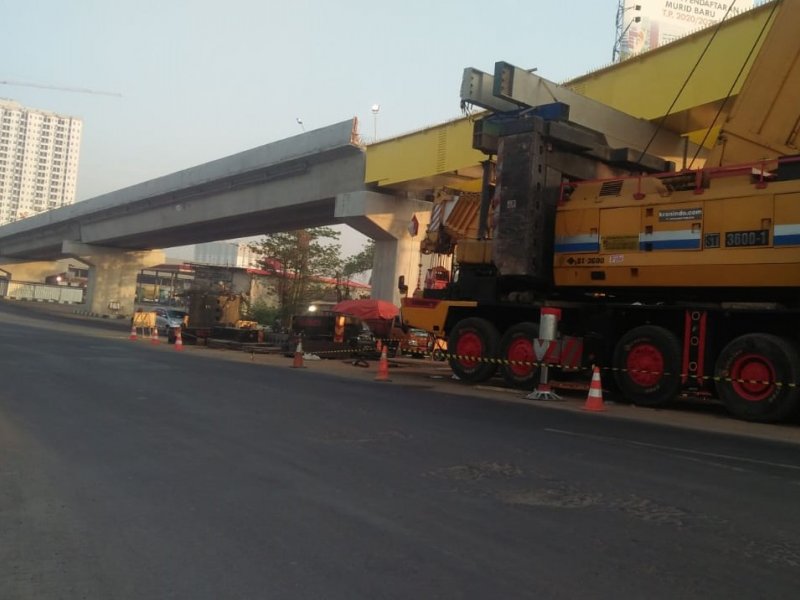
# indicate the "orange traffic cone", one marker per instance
pixel 154 336
pixel 132 336
pixel 298 356
pixel 594 400
pixel 383 367
pixel 178 339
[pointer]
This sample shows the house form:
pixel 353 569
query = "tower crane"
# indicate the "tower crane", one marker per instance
pixel 57 87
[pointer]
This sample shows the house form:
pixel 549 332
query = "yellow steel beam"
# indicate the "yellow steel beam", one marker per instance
pixel 439 155
pixel 764 122
pixel 643 86
pixel 646 85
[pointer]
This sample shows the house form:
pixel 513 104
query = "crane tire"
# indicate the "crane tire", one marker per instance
pixel 516 346
pixel 647 365
pixel 758 377
pixel 473 337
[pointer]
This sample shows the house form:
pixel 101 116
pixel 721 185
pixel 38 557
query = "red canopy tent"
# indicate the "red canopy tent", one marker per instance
pixel 368 309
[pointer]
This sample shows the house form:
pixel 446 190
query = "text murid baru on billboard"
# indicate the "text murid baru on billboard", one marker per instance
pixel 662 21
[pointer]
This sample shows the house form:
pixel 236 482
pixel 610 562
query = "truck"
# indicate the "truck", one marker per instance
pixel 217 305
pixel 672 280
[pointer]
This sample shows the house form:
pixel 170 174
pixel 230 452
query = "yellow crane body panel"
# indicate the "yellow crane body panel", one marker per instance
pixel 734 230
pixel 430 315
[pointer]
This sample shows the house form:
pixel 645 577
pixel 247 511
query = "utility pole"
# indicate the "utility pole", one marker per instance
pixel 621 28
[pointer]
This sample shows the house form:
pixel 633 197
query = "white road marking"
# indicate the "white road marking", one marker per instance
pixel 675 449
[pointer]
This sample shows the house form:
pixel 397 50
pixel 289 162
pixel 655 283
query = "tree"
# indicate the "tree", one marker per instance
pixel 298 258
pixel 355 264
pixel 361 262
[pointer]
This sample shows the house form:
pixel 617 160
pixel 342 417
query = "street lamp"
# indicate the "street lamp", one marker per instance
pixel 375 110
pixel 621 10
pixel 300 122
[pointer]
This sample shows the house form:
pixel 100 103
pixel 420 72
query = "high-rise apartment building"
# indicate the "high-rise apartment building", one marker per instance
pixel 39 153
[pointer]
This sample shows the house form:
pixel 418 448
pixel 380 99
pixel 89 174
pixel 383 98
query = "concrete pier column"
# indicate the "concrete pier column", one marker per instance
pixel 387 220
pixel 112 275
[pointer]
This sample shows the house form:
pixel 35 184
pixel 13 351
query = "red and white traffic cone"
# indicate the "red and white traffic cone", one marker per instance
pixel 383 367
pixel 154 336
pixel 297 363
pixel 132 336
pixel 594 400
pixel 178 339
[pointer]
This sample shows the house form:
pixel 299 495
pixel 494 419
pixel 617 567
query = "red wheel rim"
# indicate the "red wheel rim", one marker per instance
pixel 520 350
pixel 753 377
pixel 469 344
pixel 645 364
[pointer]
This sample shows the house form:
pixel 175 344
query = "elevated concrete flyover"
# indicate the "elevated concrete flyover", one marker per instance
pixel 289 184
pixel 283 185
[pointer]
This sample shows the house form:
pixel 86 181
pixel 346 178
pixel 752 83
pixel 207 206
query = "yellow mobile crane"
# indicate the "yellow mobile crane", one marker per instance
pixel 674 281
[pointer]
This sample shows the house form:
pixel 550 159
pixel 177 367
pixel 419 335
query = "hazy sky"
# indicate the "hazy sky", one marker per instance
pixel 201 80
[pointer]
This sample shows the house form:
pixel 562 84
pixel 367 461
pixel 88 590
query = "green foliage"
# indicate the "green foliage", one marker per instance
pixel 361 262
pixel 297 257
pixel 263 313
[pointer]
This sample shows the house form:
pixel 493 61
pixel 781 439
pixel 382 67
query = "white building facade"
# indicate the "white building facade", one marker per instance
pixel 226 254
pixel 39 153
pixel 647 24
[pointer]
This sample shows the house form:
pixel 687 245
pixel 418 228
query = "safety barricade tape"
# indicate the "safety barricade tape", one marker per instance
pixel 539 364
pixel 348 351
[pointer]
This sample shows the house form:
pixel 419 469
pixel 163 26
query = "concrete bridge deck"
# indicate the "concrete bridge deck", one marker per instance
pixel 288 184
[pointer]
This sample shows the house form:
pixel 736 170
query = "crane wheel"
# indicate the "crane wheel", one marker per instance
pixel 516 348
pixel 478 338
pixel 754 372
pixel 647 363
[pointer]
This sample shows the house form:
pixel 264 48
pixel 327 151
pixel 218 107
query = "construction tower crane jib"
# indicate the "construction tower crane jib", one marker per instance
pixel 43 86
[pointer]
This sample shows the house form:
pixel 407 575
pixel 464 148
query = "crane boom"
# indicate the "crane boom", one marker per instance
pixel 58 87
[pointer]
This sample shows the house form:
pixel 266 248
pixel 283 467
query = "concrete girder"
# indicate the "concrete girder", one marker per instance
pixel 230 197
pixel 280 205
pixel 112 275
pixel 386 219
pixel 40 244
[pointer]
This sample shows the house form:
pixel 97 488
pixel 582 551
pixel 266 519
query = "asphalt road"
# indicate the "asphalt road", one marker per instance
pixel 132 472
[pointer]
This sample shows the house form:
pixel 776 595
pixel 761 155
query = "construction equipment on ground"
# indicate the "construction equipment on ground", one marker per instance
pixel 674 281
pixel 382 318
pixel 217 307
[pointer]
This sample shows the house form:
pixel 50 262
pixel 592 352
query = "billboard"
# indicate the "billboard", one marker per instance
pixel 661 21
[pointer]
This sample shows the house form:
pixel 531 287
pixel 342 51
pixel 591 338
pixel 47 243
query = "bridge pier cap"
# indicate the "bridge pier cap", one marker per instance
pixel 386 218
